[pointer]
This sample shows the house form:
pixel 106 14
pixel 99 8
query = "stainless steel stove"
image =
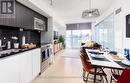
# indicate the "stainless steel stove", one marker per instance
pixel 46 51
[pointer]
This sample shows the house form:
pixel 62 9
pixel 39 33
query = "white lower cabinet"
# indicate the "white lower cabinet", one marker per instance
pixel 26 67
pixel 9 70
pixel 36 58
pixel 30 65
pixel 20 68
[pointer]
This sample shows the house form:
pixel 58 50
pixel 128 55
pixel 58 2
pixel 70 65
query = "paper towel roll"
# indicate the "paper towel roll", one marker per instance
pixel 23 40
pixel 0 42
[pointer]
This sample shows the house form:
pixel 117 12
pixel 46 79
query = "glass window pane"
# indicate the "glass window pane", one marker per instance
pixel 76 42
pixel 105 32
pixel 68 42
pixel 68 33
pixel 76 33
pixel 75 37
pixel 86 35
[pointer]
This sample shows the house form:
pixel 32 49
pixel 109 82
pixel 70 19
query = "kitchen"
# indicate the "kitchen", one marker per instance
pixel 25 46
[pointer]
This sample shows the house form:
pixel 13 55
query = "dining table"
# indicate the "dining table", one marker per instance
pixel 106 60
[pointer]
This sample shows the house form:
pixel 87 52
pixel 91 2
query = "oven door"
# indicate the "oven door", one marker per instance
pixel 44 55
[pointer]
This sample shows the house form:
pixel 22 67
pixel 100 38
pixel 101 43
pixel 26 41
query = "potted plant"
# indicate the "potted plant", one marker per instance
pixel 16 44
pixel 61 40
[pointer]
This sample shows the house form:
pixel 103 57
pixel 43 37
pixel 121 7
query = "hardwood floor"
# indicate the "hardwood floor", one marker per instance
pixel 66 68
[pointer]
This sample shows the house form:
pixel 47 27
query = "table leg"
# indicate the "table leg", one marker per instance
pixel 95 71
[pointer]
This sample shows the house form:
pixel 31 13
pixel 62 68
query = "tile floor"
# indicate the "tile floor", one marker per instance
pixel 66 68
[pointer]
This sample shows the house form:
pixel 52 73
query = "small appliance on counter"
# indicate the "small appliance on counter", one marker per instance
pixel 8 45
pixel 23 40
pixel 0 42
pixel 16 45
pixel 2 47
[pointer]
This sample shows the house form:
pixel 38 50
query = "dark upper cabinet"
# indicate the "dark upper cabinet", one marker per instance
pixel 20 11
pixel 2 21
pixel 24 18
pixel 29 21
pixel 8 21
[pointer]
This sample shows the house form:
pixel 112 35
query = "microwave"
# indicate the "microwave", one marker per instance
pixel 39 24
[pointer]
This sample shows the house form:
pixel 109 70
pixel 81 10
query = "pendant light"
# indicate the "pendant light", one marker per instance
pixel 91 12
pixel 51 2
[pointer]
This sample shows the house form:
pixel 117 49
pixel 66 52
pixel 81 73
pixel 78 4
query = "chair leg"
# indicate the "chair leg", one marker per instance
pixel 87 77
pixel 118 71
pixel 105 76
pixel 111 80
pixel 106 79
pixel 84 73
pixel 101 77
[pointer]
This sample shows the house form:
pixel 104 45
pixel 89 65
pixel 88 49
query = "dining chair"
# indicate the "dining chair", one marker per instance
pixel 87 67
pixel 82 50
pixel 123 78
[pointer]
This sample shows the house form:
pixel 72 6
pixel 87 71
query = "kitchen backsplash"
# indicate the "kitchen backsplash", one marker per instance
pixel 8 34
pixel 30 37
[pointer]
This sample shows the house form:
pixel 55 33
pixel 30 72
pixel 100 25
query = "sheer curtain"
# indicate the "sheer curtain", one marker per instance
pixel 105 32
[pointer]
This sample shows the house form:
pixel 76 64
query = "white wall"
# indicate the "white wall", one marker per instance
pixel 58 27
pixel 47 36
pixel 61 30
pixel 126 9
pixel 121 41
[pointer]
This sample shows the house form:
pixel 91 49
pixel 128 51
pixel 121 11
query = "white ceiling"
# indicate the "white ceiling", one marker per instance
pixel 70 11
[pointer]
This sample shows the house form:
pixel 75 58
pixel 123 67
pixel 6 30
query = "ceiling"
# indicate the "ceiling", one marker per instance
pixel 70 11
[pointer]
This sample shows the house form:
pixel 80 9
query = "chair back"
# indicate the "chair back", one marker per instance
pixel 86 65
pixel 82 50
pixel 125 76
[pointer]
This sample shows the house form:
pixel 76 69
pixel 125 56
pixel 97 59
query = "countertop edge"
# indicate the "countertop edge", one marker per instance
pixel 10 55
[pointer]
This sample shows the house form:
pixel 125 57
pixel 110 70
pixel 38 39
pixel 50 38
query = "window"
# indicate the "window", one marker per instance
pixel 105 32
pixel 75 37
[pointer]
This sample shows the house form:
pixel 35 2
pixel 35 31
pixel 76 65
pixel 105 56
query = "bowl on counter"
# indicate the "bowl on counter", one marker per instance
pixel 29 46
